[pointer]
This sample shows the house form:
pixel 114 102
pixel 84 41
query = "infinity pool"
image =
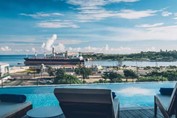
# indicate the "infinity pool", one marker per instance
pixel 129 94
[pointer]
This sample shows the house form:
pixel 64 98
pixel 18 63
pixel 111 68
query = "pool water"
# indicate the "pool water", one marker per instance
pixel 129 94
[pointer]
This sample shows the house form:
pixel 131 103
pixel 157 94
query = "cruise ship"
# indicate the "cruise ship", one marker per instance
pixel 56 59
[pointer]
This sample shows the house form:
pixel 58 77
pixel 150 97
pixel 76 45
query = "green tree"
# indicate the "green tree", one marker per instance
pixel 152 78
pixel 85 72
pixel 51 71
pixel 171 75
pixel 69 79
pixel 112 76
pixel 62 78
pixel 105 75
pixel 59 74
pixel 130 74
pixel 154 73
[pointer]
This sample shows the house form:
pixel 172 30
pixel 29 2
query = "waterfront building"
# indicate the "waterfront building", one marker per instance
pixel 4 72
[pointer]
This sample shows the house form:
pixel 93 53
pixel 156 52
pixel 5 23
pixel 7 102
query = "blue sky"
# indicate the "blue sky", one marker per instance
pixel 108 26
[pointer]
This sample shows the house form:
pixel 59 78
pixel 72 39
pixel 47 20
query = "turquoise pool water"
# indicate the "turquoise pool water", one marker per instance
pixel 129 94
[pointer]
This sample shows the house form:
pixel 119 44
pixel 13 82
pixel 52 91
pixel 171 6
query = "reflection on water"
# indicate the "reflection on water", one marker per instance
pixel 131 91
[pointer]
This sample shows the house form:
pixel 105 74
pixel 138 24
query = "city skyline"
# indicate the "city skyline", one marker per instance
pixel 107 26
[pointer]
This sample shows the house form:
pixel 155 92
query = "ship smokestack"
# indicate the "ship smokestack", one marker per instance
pixel 66 54
pixel 53 50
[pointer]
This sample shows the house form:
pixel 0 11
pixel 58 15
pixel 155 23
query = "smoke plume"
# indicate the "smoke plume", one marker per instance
pixel 50 42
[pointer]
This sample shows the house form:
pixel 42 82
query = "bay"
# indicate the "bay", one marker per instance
pixel 15 60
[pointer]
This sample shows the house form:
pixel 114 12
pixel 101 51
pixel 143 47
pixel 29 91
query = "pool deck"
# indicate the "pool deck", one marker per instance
pixel 139 113
pixel 136 113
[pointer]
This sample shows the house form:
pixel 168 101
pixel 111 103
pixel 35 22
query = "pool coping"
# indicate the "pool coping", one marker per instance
pixel 83 84
pixel 134 108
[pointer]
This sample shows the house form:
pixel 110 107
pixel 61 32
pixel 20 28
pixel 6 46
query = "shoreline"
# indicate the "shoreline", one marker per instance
pixel 17 69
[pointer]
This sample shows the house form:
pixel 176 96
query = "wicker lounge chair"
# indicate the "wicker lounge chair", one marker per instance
pixel 87 103
pixel 167 104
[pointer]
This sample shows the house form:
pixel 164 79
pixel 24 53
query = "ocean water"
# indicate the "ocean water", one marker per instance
pixel 129 94
pixel 15 60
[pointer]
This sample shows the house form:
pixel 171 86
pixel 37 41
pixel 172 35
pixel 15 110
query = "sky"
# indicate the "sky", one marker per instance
pixel 104 26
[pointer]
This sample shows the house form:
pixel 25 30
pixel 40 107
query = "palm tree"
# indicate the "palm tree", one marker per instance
pixel 42 68
pixel 85 72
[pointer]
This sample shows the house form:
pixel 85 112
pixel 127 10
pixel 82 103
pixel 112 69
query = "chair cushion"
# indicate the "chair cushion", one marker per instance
pixel 13 98
pixel 166 91
pixel 164 100
pixel 116 107
pixel 7 109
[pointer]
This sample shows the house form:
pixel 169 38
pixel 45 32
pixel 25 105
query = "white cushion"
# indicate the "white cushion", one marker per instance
pixel 116 107
pixel 164 100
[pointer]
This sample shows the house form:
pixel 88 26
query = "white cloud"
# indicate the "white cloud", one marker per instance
pixel 5 49
pixel 18 50
pixel 33 49
pixel 57 24
pixel 91 10
pixel 41 14
pixel 122 1
pixel 71 41
pixel 166 13
pixel 100 13
pixel 60 47
pixel 27 50
pixel 132 14
pixel 150 25
pixel 175 14
pixel 94 14
pixel 86 3
pixel 152 33
pixel 49 44
pixel 152 49
pixel 106 49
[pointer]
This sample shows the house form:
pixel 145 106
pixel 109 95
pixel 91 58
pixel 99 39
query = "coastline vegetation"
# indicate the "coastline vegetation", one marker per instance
pixel 142 56
pixel 62 78
pixel 93 74
pixel 152 79
pixel 112 76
